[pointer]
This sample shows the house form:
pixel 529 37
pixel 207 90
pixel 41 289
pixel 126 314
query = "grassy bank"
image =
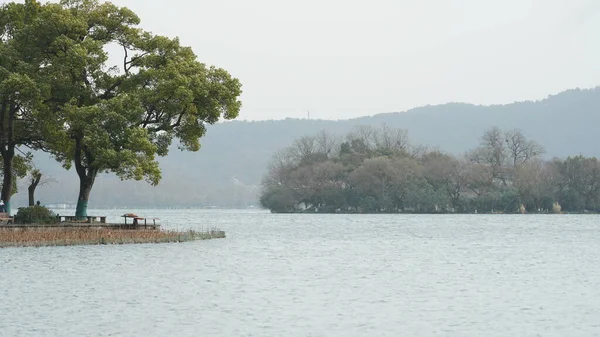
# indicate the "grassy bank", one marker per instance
pixel 38 237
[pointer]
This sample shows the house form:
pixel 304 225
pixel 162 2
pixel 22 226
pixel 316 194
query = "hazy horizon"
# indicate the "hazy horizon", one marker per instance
pixel 346 59
pixel 536 99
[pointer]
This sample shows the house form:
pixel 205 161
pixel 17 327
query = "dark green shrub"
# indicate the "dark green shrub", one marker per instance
pixel 35 215
pixel 279 200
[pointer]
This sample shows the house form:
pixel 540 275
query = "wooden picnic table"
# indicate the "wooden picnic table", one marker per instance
pixel 136 223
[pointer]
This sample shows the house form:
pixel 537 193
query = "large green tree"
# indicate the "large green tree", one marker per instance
pixel 117 119
pixel 25 62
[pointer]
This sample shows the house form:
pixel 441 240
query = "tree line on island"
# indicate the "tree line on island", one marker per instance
pixel 60 94
pixel 377 170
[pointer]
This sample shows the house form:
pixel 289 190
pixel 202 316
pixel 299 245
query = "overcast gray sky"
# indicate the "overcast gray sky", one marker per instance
pixel 344 58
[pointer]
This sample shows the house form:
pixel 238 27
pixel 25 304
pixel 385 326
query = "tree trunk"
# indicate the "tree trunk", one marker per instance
pixel 31 192
pixel 83 160
pixel 7 181
pixel 85 187
pixel 35 180
pixel 7 150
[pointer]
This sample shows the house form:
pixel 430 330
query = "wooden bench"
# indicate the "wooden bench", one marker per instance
pixel 87 219
pixel 6 219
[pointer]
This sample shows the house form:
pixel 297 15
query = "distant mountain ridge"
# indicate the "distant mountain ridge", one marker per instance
pixel 227 171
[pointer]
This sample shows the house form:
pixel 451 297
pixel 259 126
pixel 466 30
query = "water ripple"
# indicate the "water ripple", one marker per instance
pixel 316 275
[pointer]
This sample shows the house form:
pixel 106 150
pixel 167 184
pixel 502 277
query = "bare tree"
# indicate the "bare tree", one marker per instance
pixel 305 151
pixel 365 134
pixel 384 139
pixel 304 147
pixel 35 179
pixel 279 170
pixel 418 151
pixel 492 155
pixel 327 144
pixel 390 139
pixel 520 149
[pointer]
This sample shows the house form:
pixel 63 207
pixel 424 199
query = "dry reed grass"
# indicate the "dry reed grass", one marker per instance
pixel 36 237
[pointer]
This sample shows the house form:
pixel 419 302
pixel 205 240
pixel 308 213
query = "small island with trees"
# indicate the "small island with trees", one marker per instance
pixel 59 94
pixel 377 170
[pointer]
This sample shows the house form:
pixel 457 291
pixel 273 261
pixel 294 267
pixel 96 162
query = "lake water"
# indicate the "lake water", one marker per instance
pixel 316 275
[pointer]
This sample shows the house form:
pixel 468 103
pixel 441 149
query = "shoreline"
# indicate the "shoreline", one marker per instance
pixel 435 213
pixel 59 237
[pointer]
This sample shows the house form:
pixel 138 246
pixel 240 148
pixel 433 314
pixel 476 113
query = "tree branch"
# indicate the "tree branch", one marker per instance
pixel 125 69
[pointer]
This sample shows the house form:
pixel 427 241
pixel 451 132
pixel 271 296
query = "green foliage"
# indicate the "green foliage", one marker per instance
pixel 98 116
pixel 21 165
pixel 35 215
pixel 280 200
pixel 22 87
pixel 122 118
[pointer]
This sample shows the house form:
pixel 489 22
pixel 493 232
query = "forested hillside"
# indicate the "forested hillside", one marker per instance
pixel 228 169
